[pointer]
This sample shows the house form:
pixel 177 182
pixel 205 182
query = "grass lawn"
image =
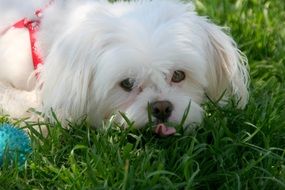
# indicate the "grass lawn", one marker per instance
pixel 232 149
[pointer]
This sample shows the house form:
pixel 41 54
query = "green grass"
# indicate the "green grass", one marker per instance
pixel 233 149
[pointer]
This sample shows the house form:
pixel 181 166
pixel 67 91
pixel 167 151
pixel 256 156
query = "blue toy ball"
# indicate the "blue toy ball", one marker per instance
pixel 15 144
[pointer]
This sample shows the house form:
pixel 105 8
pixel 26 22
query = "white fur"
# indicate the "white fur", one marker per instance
pixel 89 47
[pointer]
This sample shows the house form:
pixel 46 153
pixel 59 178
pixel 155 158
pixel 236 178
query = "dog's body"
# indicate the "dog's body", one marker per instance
pixel 101 58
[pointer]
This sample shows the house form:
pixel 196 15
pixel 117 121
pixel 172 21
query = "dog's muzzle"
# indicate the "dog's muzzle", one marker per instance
pixel 162 110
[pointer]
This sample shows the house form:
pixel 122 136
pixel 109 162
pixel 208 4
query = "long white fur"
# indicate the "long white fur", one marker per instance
pixel 90 46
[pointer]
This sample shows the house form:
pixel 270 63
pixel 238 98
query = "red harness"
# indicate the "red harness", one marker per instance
pixel 32 26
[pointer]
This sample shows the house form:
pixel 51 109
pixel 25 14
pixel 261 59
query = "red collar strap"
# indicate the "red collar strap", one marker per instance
pixel 33 27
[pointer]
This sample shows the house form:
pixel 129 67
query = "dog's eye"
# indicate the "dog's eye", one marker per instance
pixel 178 76
pixel 127 84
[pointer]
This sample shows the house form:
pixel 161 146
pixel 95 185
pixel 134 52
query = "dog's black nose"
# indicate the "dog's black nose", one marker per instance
pixel 161 110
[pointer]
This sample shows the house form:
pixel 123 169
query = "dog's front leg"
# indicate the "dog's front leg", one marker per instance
pixel 16 103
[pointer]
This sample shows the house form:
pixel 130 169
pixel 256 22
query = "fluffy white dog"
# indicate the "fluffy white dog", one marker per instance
pixel 101 58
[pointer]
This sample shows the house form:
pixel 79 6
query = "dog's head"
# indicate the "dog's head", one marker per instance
pixel 141 58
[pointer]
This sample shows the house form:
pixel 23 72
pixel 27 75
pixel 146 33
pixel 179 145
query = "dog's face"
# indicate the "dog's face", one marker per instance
pixel 159 77
pixel 147 57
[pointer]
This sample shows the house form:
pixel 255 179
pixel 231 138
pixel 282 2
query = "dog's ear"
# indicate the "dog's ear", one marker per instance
pixel 227 70
pixel 67 75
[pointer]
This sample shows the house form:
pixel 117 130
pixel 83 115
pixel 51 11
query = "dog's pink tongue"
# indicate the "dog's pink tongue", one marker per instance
pixel 164 131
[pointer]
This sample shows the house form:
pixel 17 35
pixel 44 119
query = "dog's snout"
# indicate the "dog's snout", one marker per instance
pixel 161 110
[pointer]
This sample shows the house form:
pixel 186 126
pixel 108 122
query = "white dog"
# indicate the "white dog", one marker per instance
pixel 101 58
